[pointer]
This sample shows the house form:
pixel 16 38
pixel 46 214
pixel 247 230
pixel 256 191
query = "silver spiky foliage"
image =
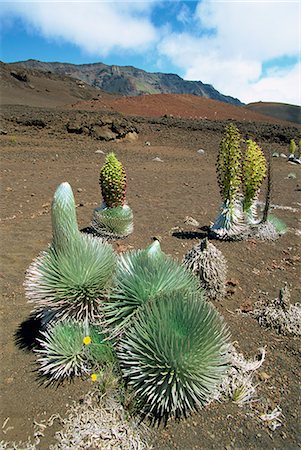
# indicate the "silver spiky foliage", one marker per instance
pixel 113 223
pixel 73 275
pixel 230 222
pixel 210 266
pixel 140 276
pixel 174 354
pixel 63 353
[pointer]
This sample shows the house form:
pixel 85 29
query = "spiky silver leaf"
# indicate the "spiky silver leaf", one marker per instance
pixel 174 354
pixel 210 266
pixel 114 223
pixel 63 216
pixel 72 282
pixel 230 222
pixel 140 276
pixel 62 350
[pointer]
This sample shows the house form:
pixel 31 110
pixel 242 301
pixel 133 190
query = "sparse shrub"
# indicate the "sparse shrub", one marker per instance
pixel 210 266
pixel 72 277
pixel 279 314
pixel 140 276
pixel 114 219
pixel 174 354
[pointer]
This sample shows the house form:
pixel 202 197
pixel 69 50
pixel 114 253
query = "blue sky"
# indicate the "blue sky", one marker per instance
pixel 247 49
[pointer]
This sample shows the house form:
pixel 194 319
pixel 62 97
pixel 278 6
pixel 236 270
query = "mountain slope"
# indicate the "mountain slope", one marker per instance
pixel 36 88
pixel 282 111
pixel 129 80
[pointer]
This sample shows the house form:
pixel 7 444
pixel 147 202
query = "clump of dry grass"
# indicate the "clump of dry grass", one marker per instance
pixel 237 385
pixel 279 314
pixel 100 423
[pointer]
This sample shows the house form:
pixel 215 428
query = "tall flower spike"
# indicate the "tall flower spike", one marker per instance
pixel 114 219
pixel 254 172
pixel 230 222
pixel 174 355
pixel 72 277
pixel 229 165
pixel 113 182
pixel 293 148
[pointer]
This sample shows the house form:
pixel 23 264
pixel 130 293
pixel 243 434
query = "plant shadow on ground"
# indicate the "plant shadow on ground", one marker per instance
pixel 203 233
pixel 28 332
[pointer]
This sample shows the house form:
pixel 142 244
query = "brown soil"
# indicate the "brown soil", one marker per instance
pixel 177 105
pixel 34 160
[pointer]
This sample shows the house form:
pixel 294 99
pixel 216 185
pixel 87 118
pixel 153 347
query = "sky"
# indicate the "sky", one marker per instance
pixel 249 49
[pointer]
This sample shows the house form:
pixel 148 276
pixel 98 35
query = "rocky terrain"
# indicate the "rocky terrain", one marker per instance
pixel 170 164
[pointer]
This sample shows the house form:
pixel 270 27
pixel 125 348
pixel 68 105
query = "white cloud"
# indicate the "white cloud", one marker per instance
pixel 240 37
pixel 96 27
pixel 226 42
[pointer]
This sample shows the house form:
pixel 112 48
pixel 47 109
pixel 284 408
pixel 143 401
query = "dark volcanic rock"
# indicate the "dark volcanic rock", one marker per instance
pixel 21 76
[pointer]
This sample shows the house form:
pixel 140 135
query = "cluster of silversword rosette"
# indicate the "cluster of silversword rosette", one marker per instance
pixel 142 315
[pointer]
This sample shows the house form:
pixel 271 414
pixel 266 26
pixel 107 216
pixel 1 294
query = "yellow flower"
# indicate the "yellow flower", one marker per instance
pixel 87 340
pixel 94 377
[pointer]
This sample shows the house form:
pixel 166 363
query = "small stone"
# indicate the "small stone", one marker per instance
pixel 158 159
pixel 32 194
pixel 263 376
pixel 275 155
pixel 9 189
pixel 147 143
pixel 201 151
pixel 79 190
pixel 283 155
pixel 99 151
pixel 246 307
pixel 191 221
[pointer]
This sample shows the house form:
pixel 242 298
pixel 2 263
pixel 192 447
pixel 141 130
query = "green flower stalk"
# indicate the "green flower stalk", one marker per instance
pixel 113 182
pixel 254 171
pixel 292 149
pixel 229 223
pixel 174 354
pixel 71 278
pixel 114 219
pixel 66 350
pixel 142 275
pixel 229 165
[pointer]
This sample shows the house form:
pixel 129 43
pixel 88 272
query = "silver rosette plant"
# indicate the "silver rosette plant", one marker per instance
pixel 70 348
pixel 71 278
pixel 142 275
pixel 174 355
pixel 114 218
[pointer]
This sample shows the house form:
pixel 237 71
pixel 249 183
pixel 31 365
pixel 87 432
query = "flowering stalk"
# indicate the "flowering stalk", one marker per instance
pixel 254 170
pixel 113 182
pixel 114 218
pixel 229 223
pixel 229 165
